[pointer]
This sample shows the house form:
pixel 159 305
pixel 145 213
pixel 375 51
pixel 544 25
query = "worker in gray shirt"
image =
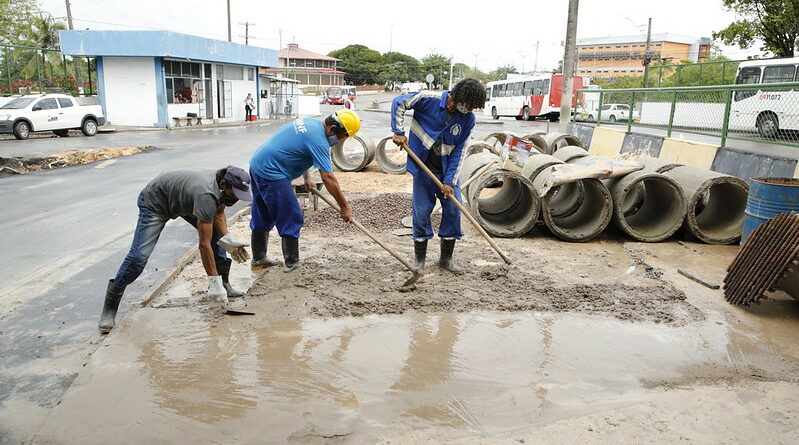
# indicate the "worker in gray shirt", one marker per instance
pixel 198 196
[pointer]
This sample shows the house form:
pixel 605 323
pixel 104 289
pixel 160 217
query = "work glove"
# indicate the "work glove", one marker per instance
pixel 235 248
pixel 216 290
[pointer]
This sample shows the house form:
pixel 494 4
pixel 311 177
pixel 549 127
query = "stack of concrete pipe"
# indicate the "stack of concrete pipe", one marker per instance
pixel 357 159
pixel 649 205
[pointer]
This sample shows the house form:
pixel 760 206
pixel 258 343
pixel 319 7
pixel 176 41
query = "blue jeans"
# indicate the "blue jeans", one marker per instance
pixel 425 193
pixel 275 204
pixel 148 230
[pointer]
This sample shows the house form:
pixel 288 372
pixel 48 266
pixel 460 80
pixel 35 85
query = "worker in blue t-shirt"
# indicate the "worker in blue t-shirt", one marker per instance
pixel 442 123
pixel 286 156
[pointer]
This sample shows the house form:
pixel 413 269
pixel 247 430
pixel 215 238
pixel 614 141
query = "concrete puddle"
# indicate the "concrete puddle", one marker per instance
pixel 179 374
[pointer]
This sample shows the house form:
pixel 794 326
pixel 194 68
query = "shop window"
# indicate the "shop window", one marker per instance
pixel 233 72
pixel 250 73
pixel 183 84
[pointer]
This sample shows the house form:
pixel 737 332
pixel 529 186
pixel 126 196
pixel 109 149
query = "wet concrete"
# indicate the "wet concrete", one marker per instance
pixel 179 370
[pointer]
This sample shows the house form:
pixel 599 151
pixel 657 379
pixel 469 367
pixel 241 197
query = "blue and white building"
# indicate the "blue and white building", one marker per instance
pixel 146 78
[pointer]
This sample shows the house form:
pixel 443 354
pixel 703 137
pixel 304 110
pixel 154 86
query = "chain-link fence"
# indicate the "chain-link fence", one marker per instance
pixel 720 72
pixel 25 70
pixel 767 113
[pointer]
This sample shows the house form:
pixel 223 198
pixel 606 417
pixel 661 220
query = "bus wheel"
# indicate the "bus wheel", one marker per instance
pixel 768 125
pixel 494 113
pixel 527 116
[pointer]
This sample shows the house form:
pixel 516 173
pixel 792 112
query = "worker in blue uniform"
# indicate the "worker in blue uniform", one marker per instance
pixel 288 155
pixel 441 125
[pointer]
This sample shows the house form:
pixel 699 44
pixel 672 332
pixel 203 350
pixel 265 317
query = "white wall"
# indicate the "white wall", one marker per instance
pixel 180 110
pixel 130 93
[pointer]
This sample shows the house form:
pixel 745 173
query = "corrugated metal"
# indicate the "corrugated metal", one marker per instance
pixel 130 91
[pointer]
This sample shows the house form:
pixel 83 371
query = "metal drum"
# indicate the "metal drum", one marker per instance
pixel 768 197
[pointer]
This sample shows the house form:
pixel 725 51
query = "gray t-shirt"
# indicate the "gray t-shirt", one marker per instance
pixel 184 193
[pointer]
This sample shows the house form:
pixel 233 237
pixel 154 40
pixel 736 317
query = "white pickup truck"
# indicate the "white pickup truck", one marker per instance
pixel 58 113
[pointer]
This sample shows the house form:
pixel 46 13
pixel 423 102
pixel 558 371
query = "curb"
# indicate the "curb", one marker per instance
pixel 187 258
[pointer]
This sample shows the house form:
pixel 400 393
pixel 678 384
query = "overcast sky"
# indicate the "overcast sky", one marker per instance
pixel 494 34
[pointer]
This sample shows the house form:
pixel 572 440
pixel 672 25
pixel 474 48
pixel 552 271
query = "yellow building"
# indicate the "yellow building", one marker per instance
pixel 623 55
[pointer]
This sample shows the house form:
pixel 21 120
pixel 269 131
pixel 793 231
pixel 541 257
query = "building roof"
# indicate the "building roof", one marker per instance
pixel 293 51
pixel 163 44
pixel 304 70
pixel 661 37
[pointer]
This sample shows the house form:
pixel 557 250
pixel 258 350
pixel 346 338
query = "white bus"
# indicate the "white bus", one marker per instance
pixel 766 110
pixel 529 97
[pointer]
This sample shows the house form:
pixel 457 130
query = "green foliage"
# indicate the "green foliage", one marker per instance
pixel 438 66
pixel 14 15
pixel 362 65
pixel 776 22
pixel 398 67
pixel 502 72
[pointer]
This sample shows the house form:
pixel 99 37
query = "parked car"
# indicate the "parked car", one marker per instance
pixel 412 87
pixel 58 113
pixel 613 113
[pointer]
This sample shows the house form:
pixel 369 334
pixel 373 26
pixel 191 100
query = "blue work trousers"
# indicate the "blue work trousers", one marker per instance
pixel 275 204
pixel 145 237
pixel 425 193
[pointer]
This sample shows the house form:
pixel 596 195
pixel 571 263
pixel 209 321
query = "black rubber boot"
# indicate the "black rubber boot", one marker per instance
pixel 259 244
pixel 291 253
pixel 223 268
pixel 447 247
pixel 420 249
pixel 112 297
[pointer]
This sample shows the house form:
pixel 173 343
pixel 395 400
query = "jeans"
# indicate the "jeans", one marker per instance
pixel 275 204
pixel 145 237
pixel 425 193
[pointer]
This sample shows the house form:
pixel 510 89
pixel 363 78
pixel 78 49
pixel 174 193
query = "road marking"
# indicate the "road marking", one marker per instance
pixel 104 164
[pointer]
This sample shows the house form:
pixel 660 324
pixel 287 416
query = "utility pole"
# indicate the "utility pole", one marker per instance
pixel 247 32
pixel 451 66
pixel 391 38
pixel 568 66
pixel 75 60
pixel 229 36
pixel 647 55
pixel 535 67
pixel 475 62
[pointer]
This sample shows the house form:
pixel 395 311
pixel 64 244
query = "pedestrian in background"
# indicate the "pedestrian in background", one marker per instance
pixel 249 106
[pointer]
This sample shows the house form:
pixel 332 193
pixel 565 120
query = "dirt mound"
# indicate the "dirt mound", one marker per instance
pixel 381 213
pixel 20 165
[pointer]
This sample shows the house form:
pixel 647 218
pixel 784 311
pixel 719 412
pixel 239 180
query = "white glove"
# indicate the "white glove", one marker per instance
pixel 235 248
pixel 216 290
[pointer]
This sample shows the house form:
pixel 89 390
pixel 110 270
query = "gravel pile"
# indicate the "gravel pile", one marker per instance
pixel 380 213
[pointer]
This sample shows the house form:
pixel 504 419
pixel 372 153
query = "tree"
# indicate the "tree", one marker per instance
pixel 398 67
pixel 41 32
pixel 559 69
pixel 438 66
pixel 14 14
pixel 776 22
pixel 361 64
pixel 502 72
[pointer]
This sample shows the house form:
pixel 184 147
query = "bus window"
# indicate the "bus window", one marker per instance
pixel 517 89
pixel 748 75
pixel 545 88
pixel 537 87
pixel 528 88
pixel 488 94
pixel 496 91
pixel 782 73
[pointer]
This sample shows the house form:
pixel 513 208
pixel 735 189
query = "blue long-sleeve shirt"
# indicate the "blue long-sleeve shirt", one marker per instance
pixel 429 123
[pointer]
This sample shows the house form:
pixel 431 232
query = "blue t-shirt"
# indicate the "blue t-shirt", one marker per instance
pixel 293 150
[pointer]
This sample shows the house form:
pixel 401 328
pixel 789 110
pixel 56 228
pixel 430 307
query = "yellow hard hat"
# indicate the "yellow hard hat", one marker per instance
pixel 349 120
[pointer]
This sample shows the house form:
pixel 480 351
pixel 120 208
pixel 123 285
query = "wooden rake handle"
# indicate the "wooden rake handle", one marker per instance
pixel 457 203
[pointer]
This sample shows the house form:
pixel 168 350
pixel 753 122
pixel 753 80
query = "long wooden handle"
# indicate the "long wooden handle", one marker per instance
pixel 366 231
pixel 457 203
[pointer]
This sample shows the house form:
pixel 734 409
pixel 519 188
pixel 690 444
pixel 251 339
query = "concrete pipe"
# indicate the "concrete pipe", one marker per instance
pixel 475 147
pixel 557 140
pixel 570 153
pixel 471 165
pixel 496 140
pixel 538 141
pixel 536 163
pixel 354 153
pixel 508 211
pixel 390 158
pixel 647 206
pixel 657 165
pixel 715 203
pixel 577 211
pixel 569 197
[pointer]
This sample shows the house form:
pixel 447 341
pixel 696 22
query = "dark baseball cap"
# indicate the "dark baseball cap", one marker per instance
pixel 239 180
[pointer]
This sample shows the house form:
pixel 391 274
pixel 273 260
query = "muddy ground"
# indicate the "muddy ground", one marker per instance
pixel 574 342
pixel 22 165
